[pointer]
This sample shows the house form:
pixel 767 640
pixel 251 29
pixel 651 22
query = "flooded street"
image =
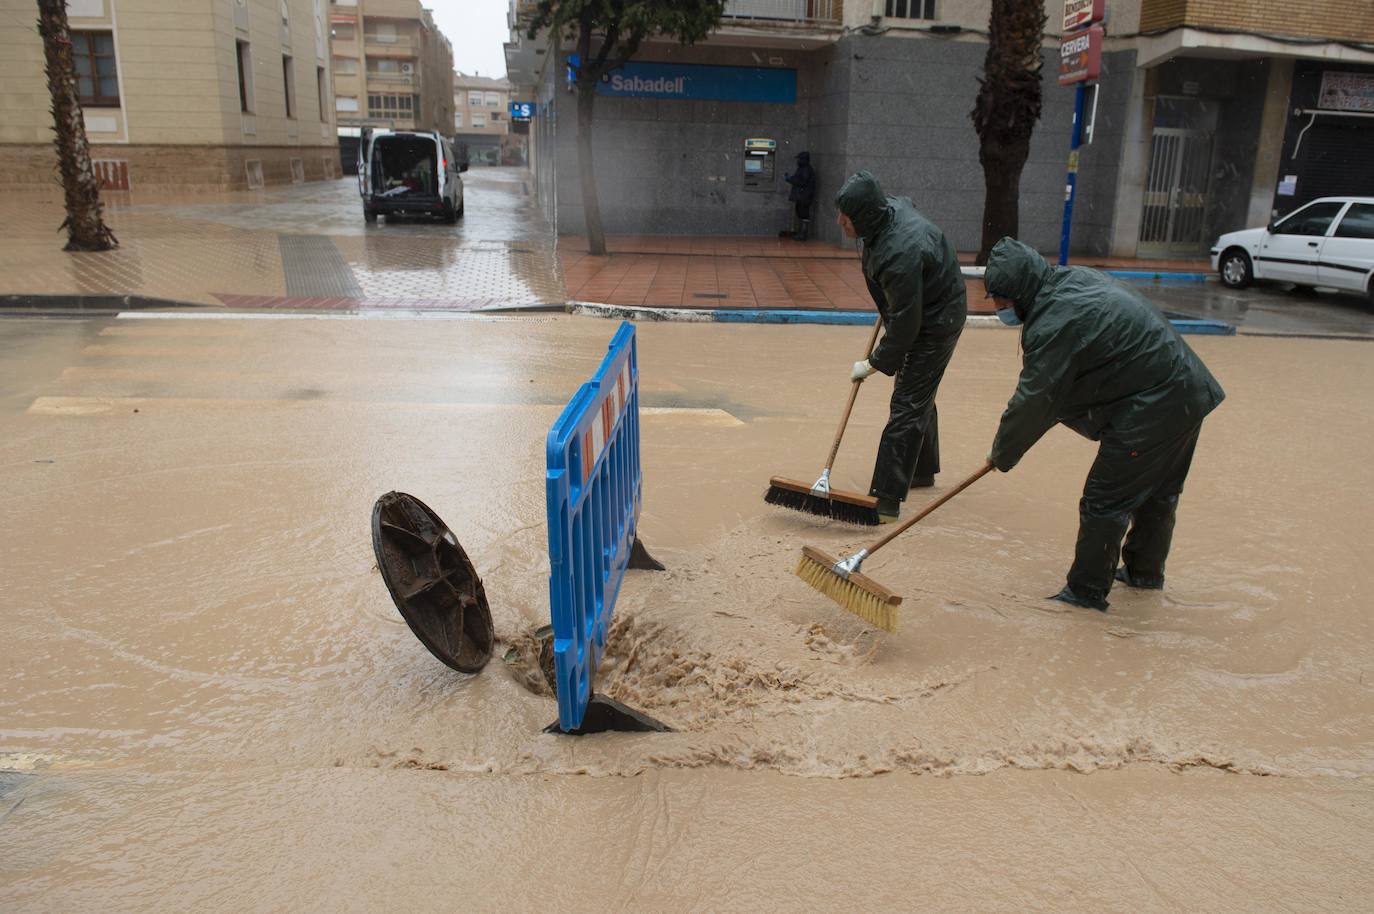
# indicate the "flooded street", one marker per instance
pixel 213 704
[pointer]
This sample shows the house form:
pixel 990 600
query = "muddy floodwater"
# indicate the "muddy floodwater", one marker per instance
pixel 210 702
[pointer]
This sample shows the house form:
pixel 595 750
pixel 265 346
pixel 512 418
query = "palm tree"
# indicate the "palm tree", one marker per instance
pixel 86 229
pixel 1005 113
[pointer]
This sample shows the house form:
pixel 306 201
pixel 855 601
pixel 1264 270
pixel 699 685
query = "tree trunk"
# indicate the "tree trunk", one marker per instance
pixel 86 229
pixel 1002 166
pixel 591 204
pixel 1006 110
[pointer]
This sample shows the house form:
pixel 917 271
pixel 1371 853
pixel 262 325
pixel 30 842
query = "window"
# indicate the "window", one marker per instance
pixel 344 31
pixel 383 65
pixel 390 106
pixel 345 103
pixel 345 66
pixel 245 62
pixel 911 9
pixel 288 76
pixel 96 81
pixel 493 100
pixel 474 99
pixel 479 119
pixel 1358 222
pixel 384 32
pixel 322 87
pixel 496 117
pixel 458 120
pixel 1313 219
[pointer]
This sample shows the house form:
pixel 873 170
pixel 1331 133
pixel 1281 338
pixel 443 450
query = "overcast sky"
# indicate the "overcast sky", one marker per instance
pixel 477 29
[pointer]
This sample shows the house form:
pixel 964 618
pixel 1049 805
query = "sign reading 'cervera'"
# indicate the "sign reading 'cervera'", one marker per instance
pixel 702 82
pixel 1080 56
pixel 1080 13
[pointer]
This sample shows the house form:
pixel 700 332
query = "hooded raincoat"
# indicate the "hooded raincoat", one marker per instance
pixel 1099 358
pixel 914 278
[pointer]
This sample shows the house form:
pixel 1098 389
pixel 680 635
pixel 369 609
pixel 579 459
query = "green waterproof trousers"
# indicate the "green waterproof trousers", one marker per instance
pixel 1136 487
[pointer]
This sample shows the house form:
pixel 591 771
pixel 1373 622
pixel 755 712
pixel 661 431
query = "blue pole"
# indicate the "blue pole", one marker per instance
pixel 1071 183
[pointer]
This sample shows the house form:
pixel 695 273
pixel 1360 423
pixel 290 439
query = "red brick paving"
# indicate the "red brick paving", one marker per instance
pixel 750 272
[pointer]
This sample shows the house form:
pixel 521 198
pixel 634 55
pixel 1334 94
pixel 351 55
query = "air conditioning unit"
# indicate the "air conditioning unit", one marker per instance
pixel 407 68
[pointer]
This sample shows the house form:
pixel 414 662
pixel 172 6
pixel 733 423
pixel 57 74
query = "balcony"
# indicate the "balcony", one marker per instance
pixel 392 79
pixel 1325 19
pixel 389 45
pixel 799 12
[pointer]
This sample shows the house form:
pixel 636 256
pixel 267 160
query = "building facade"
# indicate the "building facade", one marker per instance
pixel 481 120
pixel 215 94
pixel 391 67
pixel 1199 111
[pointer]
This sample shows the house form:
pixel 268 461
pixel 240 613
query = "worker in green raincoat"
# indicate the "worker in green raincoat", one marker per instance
pixel 914 278
pixel 1099 358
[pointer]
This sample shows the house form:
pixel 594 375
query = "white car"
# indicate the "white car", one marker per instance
pixel 1329 242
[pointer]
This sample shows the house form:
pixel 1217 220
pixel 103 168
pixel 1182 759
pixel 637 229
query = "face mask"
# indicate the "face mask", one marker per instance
pixel 1008 317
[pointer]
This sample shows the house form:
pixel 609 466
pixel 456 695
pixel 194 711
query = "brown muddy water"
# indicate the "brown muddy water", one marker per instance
pixel 211 703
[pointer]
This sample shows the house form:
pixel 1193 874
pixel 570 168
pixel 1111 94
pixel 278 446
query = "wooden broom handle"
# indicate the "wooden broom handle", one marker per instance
pixel 853 395
pixel 907 525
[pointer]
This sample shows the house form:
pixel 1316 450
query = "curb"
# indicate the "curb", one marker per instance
pixel 1162 277
pixel 1185 325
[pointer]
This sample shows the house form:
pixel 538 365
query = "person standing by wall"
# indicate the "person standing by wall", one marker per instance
pixel 914 278
pixel 803 193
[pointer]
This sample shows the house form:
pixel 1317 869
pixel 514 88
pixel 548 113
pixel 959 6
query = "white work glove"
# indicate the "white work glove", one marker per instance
pixel 861 370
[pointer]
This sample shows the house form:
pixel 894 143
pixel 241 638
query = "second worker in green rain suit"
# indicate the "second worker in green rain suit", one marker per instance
pixel 1099 358
pixel 914 278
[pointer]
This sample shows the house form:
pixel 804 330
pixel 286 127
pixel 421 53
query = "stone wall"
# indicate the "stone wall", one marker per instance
pixel 180 167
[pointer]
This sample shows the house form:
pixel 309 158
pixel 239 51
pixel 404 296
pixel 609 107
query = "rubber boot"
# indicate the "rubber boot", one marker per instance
pixel 803 231
pixel 889 509
pixel 1140 582
pixel 1067 595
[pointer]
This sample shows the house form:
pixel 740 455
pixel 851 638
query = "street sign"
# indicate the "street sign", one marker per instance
pixel 1080 56
pixel 1081 13
pixel 521 111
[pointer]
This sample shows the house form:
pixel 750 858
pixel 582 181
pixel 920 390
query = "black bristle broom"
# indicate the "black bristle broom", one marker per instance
pixel 819 498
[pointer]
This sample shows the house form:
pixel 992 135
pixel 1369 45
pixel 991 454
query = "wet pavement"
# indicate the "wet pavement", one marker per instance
pixel 299 246
pixel 213 705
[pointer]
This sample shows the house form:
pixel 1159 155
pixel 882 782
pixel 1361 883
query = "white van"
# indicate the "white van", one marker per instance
pixel 414 172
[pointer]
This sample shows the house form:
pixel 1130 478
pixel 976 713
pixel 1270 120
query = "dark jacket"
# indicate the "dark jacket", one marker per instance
pixel 803 180
pixel 909 266
pixel 1097 357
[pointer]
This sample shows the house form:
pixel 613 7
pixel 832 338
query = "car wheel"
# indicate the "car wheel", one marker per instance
pixel 1234 269
pixel 1308 291
pixel 369 216
pixel 1369 291
pixel 462 204
pixel 450 215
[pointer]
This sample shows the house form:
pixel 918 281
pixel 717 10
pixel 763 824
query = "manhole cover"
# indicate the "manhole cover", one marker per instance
pixel 432 582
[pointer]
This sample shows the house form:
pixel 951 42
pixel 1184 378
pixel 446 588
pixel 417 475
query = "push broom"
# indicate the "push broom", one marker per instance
pixel 819 497
pixel 863 596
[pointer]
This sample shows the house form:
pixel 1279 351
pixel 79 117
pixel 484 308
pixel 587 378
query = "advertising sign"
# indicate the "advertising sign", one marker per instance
pixel 1081 13
pixel 1080 56
pixel 701 82
pixel 521 111
pixel 1347 92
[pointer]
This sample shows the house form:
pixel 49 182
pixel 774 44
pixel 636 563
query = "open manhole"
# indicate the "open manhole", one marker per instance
pixel 432 582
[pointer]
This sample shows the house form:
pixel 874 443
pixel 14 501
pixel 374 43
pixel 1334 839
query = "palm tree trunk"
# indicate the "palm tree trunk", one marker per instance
pixel 1002 167
pixel 86 229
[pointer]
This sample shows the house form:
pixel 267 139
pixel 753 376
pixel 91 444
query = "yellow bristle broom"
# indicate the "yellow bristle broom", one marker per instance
pixel 861 595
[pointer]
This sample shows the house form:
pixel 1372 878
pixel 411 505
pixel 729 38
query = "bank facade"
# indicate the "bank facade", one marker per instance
pixel 1205 121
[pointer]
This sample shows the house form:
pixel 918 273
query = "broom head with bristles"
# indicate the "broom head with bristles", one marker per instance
pixel 849 507
pixel 861 595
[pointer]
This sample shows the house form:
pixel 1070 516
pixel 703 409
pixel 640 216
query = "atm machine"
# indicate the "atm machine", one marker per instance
pixel 759 157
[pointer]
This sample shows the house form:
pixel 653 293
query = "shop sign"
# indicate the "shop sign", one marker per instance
pixel 1347 92
pixel 1081 13
pixel 700 82
pixel 1080 56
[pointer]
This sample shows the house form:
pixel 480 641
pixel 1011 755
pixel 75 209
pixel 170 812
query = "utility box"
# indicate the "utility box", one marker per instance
pixel 759 157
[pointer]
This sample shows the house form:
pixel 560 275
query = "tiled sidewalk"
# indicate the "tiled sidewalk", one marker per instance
pixel 751 272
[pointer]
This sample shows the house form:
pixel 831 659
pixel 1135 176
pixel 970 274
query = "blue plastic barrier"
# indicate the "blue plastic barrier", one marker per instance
pixel 593 484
